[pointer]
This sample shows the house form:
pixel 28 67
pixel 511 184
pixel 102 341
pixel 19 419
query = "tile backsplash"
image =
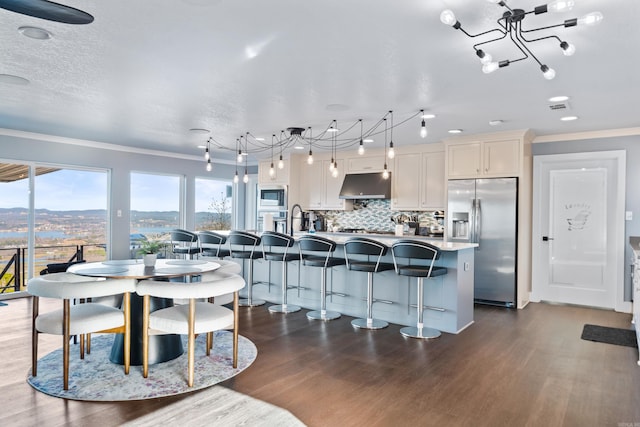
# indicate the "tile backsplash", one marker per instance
pixel 372 215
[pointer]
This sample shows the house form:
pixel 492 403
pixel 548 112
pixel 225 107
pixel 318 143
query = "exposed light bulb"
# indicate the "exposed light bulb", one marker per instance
pixel 280 163
pixel 245 178
pixel 236 178
pixel 392 153
pixel 272 171
pixel 494 1
pixel 334 172
pixel 361 148
pixel 209 167
pixel 549 73
pixel 385 172
pixel 310 158
pixel 331 165
pixel 567 48
pixel 490 67
pixel 560 5
pixel 206 154
pixel 485 58
pixel 239 156
pixel 423 129
pixel 592 18
pixel 447 17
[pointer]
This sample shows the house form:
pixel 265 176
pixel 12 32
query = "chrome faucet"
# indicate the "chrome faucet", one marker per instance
pixel 300 209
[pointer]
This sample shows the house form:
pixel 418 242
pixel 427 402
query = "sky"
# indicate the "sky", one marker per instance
pixel 68 189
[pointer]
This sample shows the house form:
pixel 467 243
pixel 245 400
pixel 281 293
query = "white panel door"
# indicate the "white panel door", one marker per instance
pixel 578 232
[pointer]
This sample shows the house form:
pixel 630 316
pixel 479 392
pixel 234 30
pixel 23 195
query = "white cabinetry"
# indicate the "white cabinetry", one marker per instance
pixel 320 189
pixel 281 176
pixel 418 181
pixel 484 159
pixel 365 163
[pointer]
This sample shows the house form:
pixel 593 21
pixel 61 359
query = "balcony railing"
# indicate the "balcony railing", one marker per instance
pixel 13 261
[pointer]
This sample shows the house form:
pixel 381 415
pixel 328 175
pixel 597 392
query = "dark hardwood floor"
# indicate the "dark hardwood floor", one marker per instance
pixel 512 367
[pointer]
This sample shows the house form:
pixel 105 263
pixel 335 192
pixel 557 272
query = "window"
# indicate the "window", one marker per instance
pixel 155 206
pixel 214 200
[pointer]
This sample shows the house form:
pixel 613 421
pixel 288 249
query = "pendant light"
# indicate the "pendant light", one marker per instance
pixel 272 171
pixel 333 135
pixel 385 172
pixel 423 126
pixel 239 141
pixel 310 158
pixel 207 156
pixel 236 178
pixel 361 146
pixel 392 152
pixel 245 178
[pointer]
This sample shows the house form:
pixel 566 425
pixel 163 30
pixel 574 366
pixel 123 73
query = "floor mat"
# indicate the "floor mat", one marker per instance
pixel 617 336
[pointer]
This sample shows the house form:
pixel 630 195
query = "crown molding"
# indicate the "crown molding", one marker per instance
pixel 607 133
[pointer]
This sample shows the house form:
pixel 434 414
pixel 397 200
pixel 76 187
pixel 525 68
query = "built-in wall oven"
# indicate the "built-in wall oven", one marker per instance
pixel 272 198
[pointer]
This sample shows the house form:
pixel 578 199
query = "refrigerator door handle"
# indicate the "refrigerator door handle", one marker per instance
pixel 472 222
pixel 477 220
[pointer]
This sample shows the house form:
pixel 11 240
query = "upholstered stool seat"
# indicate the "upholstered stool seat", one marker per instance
pixel 211 244
pixel 362 254
pixel 418 251
pixel 316 251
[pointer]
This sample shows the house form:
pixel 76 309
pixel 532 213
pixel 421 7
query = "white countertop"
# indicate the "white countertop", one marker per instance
pixel 341 238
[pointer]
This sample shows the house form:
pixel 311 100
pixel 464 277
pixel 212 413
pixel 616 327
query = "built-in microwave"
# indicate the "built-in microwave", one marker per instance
pixel 273 197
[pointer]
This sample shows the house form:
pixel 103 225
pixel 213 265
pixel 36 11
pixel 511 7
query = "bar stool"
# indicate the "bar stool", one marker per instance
pixel 184 242
pixel 275 247
pixel 243 245
pixel 418 250
pixel 211 244
pixel 355 249
pixel 315 251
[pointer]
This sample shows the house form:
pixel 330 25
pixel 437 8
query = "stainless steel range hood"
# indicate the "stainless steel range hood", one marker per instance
pixel 366 186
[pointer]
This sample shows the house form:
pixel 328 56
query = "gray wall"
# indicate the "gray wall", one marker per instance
pixel 631 144
pixel 120 164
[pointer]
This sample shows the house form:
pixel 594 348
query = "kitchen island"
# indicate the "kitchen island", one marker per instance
pixel 395 295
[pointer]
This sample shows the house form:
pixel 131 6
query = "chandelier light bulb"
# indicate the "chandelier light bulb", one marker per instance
pixel 239 156
pixel 272 171
pixel 206 154
pixel 549 73
pixel 592 18
pixel 485 58
pixel 490 67
pixel 236 178
pixel 423 129
pixel 334 172
pixel 385 172
pixel 280 163
pixel 310 158
pixel 331 166
pixel 209 167
pixel 391 154
pixel 560 5
pixel 361 148
pixel 567 48
pixel 447 17
pixel 245 178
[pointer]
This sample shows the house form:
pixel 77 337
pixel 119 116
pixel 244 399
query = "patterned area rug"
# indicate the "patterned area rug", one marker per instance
pixel 97 379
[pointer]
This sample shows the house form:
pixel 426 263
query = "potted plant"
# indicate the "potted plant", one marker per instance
pixel 149 250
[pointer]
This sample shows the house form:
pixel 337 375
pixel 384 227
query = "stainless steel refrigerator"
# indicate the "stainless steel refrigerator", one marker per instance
pixel 484 211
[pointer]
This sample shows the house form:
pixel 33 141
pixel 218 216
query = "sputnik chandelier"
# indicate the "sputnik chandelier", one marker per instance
pixel 332 138
pixel 511 24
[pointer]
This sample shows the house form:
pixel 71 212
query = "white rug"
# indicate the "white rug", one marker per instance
pixel 97 379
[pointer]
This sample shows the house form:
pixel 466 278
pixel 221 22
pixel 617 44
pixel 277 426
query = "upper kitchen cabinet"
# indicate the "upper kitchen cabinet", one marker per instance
pixel 427 191
pixel 281 176
pixel 362 164
pixel 320 190
pixel 490 156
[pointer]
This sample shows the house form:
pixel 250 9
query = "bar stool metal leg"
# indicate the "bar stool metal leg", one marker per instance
pixel 249 301
pixel 323 314
pixel 284 307
pixel 420 331
pixel 369 322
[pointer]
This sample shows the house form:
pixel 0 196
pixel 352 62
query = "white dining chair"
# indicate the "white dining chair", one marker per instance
pixel 191 319
pixel 80 319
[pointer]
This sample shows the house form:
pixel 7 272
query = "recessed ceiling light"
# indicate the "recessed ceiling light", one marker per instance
pixel 199 131
pixel 298 147
pixel 35 32
pixel 455 130
pixel 561 98
pixel 428 116
pixel 367 140
pixel 202 146
pixel 259 138
pixel 569 118
pixel 495 122
pixel 14 80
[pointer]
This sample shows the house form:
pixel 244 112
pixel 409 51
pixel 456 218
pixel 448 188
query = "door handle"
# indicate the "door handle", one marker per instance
pixel 546 238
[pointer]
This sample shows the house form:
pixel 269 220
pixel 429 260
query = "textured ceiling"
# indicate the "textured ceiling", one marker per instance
pixel 146 71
